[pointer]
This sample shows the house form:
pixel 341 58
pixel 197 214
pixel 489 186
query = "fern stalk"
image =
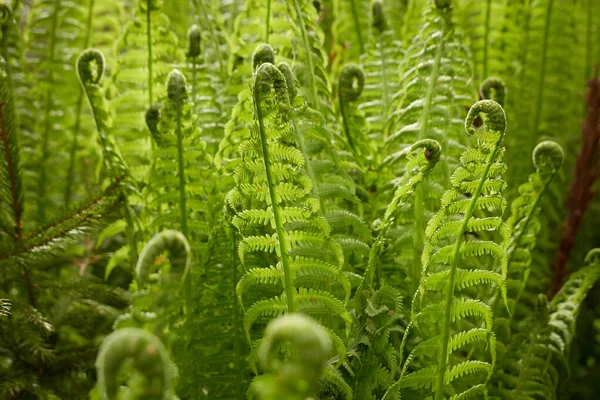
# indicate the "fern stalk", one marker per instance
pixel 314 101
pixel 542 73
pixel 486 37
pixel 149 48
pixel 361 43
pixel 47 119
pixel 73 152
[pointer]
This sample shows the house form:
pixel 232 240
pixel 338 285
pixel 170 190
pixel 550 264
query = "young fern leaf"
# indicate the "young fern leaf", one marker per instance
pixel 270 179
pixel 179 255
pixel 422 159
pixel 90 69
pixel 350 86
pixel 308 345
pixel 151 364
pixel 493 89
pixel 524 220
pixel 452 258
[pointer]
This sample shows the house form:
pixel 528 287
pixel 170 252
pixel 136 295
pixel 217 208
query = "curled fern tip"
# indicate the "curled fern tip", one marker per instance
pixel 263 53
pixel 491 115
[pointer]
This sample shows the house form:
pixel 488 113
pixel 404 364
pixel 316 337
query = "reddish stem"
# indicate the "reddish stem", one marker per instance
pixel 587 170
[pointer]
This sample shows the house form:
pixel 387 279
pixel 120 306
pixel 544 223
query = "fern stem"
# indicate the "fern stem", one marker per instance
pixel 47 123
pixel 356 21
pixel 542 74
pixel 418 239
pixel 344 113
pixel 281 234
pixel 443 358
pixel 268 21
pixel 73 152
pixel 309 58
pixel 236 321
pixel 486 38
pixel 149 48
pixel 385 96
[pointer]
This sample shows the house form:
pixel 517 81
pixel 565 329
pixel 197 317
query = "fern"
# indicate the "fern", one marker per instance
pixel 150 360
pixel 286 205
pixel 524 219
pixel 442 301
pixel 531 362
pixel 309 347
pixel 148 45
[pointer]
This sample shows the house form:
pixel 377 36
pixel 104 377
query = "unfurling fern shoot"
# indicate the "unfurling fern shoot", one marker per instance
pixel 460 253
pixel 524 219
pixel 350 86
pixel 308 345
pixel 90 68
pixel 151 363
pixel 273 191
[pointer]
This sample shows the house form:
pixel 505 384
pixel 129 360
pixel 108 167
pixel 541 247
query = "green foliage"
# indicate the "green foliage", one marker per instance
pixel 276 199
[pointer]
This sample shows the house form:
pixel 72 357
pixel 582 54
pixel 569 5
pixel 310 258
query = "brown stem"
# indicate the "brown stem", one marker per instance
pixel 586 172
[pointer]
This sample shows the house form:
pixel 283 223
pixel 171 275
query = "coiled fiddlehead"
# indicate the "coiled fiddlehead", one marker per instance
pixel 179 255
pixel 378 15
pixel 194 41
pixel 350 85
pixel 493 89
pixel 309 348
pixel 263 53
pixel 90 67
pixel 151 362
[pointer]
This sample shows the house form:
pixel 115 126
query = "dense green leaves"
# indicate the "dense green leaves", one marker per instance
pixel 275 199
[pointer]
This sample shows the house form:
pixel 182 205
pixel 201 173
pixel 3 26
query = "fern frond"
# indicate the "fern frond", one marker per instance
pixel 440 312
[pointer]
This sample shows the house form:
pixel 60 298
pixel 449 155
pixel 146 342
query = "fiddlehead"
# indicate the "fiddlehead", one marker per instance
pixel 308 345
pixel 151 363
pixel 493 89
pixel 179 255
pixel 492 117
pixel 263 53
pixel 194 41
pixel 350 85
pixel 290 79
pixel 378 15
pixel 90 67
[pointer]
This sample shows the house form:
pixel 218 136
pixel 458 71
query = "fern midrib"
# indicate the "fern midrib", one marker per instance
pixel 268 21
pixel 149 50
pixel 542 73
pixel 385 96
pixel 486 38
pixel 237 326
pixel 357 27
pixel 47 106
pixel 279 229
pixel 443 359
pixel 418 211
pixel 344 113
pixel 73 152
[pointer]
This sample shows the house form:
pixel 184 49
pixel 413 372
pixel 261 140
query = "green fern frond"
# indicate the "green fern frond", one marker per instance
pixel 435 312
